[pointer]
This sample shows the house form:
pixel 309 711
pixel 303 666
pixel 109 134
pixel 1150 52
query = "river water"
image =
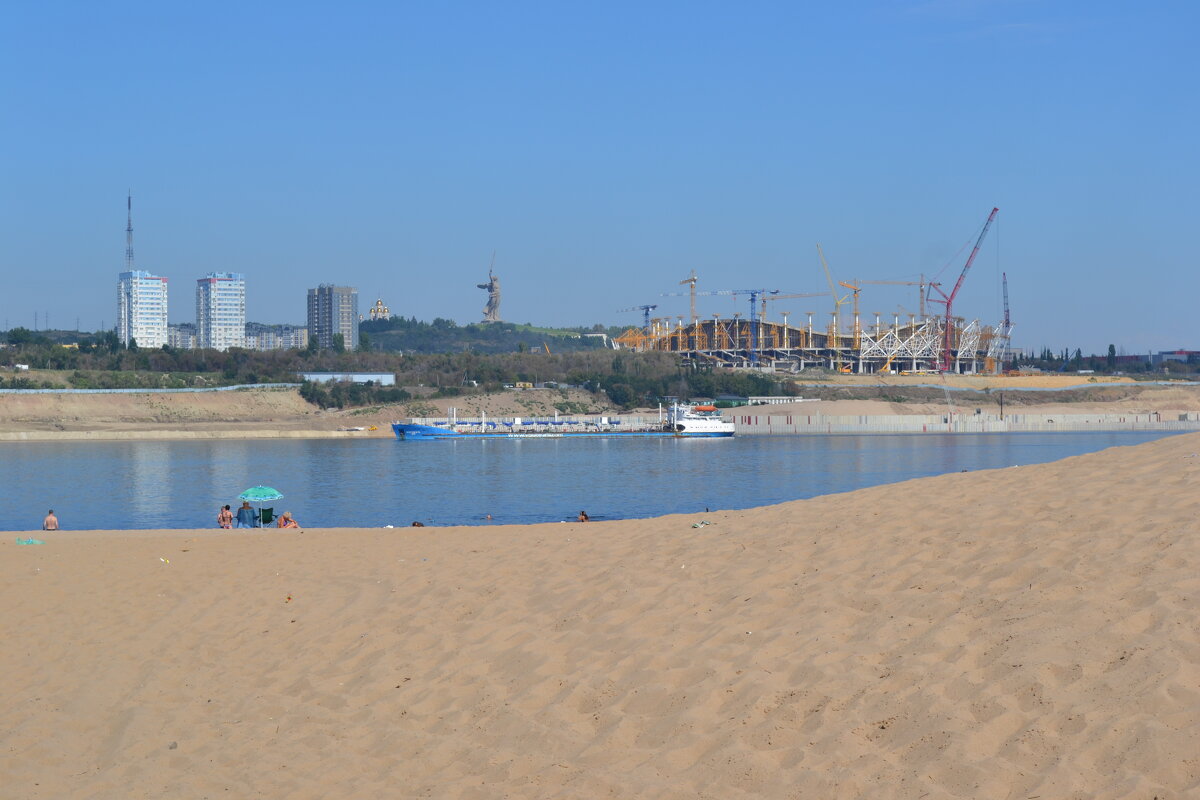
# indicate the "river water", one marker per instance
pixel 377 482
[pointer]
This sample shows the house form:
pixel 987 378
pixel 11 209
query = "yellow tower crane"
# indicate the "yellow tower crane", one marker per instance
pixel 921 283
pixel 857 329
pixel 835 331
pixel 691 282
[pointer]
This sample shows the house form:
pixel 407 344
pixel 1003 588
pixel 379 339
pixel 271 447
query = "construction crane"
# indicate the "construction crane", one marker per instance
pixel 645 315
pixel 766 300
pixel 835 331
pixel 1004 334
pixel 754 295
pixel 693 294
pixel 921 283
pixel 948 299
pixel 690 280
pixel 854 289
pixel 754 332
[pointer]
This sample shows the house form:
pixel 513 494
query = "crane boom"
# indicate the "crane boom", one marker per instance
pixel 835 331
pixel 921 284
pixel 948 340
pixel 646 309
pixel 971 258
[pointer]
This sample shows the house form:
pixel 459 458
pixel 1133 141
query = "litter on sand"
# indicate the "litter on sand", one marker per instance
pixel 29 541
pixel 701 523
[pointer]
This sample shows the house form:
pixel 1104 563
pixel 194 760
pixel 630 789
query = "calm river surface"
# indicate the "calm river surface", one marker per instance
pixel 376 482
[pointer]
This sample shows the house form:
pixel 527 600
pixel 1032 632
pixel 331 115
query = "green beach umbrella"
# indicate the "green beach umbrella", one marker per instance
pixel 260 495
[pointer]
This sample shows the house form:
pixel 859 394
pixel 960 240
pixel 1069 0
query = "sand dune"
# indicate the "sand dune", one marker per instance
pixel 1028 632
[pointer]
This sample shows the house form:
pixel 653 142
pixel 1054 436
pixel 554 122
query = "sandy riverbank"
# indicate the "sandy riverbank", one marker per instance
pixel 249 414
pixel 276 413
pixel 1023 632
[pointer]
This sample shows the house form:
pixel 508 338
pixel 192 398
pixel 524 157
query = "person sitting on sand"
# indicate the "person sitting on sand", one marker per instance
pixel 583 517
pixel 50 523
pixel 225 518
pixel 286 521
pixel 246 518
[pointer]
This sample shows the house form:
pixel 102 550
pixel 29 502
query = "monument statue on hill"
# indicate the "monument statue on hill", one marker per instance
pixel 491 312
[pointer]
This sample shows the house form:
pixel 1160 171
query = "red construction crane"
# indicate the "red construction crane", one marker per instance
pixel 948 342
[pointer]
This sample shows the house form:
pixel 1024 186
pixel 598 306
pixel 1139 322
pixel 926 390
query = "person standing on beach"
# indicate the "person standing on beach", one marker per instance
pixel 225 518
pixel 50 523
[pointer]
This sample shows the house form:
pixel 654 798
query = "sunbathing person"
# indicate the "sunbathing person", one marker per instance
pixel 286 521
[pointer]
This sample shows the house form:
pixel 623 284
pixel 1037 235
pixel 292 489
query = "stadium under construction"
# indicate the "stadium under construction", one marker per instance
pixel 916 346
pixel 923 343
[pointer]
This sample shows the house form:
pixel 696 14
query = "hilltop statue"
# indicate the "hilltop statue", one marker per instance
pixel 491 312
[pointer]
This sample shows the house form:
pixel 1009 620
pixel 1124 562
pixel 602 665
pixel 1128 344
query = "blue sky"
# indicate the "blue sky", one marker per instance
pixel 604 150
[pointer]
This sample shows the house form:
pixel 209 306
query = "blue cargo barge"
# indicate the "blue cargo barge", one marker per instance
pixel 681 421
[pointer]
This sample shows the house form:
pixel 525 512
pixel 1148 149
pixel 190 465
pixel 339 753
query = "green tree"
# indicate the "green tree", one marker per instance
pixel 19 336
pixel 1112 357
pixel 621 394
pixel 339 343
pixel 364 343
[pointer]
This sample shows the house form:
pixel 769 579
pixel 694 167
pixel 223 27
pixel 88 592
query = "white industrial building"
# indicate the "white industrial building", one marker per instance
pixel 377 378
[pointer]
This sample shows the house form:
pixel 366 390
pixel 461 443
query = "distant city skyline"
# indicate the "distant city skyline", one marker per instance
pixel 605 151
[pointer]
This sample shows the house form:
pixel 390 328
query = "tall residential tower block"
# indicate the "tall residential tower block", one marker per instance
pixel 221 310
pixel 333 310
pixel 141 309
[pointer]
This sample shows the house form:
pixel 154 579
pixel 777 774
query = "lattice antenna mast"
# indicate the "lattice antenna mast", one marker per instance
pixel 129 233
pixel 1007 318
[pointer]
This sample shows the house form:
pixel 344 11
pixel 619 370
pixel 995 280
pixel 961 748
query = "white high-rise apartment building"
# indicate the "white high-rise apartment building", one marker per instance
pixel 221 310
pixel 141 309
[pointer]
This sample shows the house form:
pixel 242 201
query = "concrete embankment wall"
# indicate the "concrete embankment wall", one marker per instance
pixel 798 424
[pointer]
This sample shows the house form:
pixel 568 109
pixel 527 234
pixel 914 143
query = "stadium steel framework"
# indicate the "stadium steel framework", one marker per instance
pixel 915 346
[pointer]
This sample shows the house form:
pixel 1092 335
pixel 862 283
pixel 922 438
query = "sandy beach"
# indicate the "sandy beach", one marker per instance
pixel 1027 632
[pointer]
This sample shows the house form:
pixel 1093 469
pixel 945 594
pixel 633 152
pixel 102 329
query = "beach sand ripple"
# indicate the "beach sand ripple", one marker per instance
pixel 1023 632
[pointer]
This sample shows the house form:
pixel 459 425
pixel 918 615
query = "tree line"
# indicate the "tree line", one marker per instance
pixel 447 336
pixel 627 379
